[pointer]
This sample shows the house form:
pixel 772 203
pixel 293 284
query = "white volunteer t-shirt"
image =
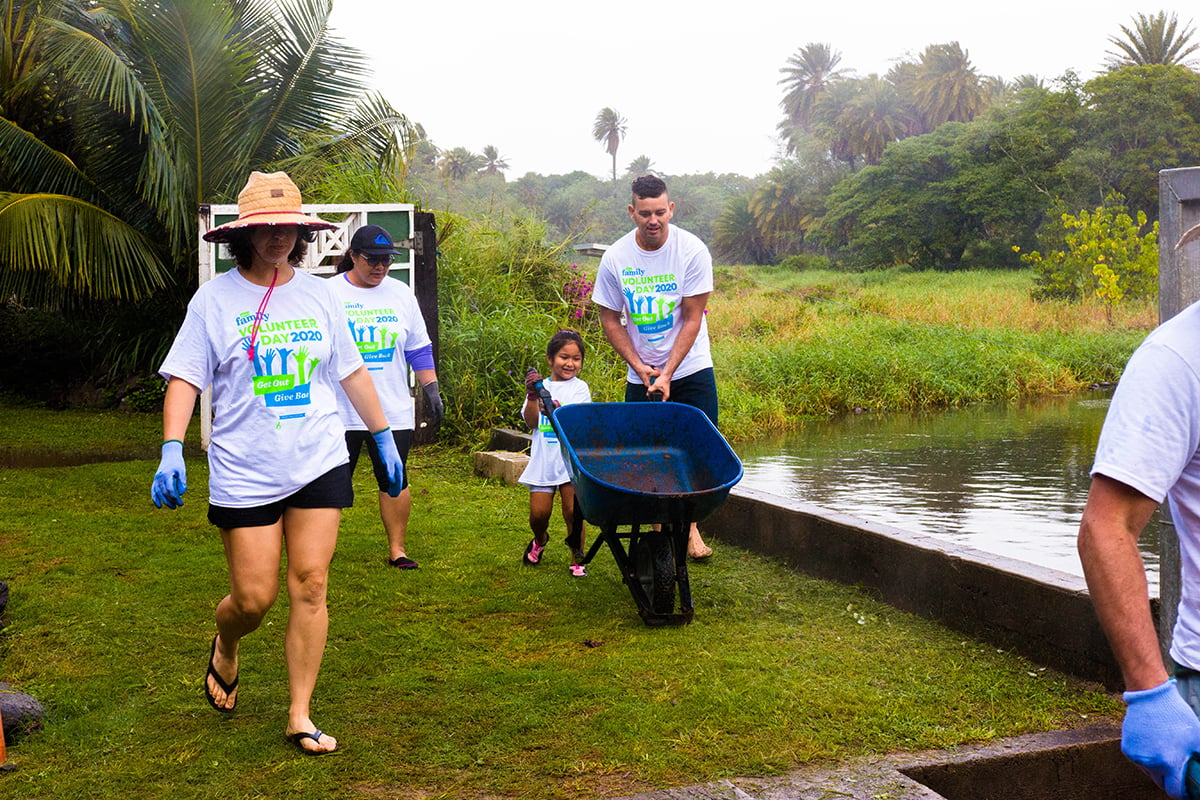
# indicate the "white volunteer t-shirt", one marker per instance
pixel 546 466
pixel 1150 440
pixel 649 285
pixel 384 322
pixel 275 420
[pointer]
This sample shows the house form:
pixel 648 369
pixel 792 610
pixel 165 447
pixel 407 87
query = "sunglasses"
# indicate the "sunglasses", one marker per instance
pixel 377 261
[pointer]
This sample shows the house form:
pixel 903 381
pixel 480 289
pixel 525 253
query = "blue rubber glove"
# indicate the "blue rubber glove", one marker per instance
pixel 170 482
pixel 391 460
pixel 434 397
pixel 1159 734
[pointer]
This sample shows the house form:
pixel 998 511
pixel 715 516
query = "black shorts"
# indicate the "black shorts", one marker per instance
pixel 698 390
pixel 331 490
pixel 354 443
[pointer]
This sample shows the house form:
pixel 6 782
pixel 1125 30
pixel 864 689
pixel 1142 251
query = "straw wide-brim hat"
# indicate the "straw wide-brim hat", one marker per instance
pixel 268 199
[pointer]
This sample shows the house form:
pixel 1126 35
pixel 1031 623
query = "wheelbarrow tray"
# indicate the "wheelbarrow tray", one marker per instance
pixel 645 463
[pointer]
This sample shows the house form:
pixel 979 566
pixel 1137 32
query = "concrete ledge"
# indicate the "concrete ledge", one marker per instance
pixel 1043 614
pixel 500 464
pixel 1074 764
pixel 508 439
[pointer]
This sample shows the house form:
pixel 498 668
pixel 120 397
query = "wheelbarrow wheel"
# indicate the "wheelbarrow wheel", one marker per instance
pixel 654 560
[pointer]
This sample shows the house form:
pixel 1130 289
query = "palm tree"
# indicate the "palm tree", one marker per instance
pixel 609 129
pixel 807 77
pixel 493 162
pixel 173 105
pixel 872 120
pixel 947 88
pixel 1152 40
pixel 737 238
pixel 1027 81
pixel 458 163
pixel 779 207
pixel 642 165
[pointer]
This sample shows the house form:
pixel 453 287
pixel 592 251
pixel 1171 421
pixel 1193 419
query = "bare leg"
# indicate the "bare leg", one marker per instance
pixel 541 505
pixel 568 511
pixel 310 535
pixel 252 555
pixel 696 546
pixel 395 511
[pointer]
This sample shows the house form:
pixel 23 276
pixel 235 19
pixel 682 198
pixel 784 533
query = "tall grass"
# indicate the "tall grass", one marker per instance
pixel 503 295
pixel 787 345
pixel 793 345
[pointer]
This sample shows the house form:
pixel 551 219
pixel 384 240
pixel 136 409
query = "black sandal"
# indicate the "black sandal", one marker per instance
pixel 299 737
pixel 228 688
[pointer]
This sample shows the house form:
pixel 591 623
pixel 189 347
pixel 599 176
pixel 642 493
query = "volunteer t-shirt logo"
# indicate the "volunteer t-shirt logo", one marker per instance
pixel 547 430
pixel 369 327
pixel 283 363
pixel 648 298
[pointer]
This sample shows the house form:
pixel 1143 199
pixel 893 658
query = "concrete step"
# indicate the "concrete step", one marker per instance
pixel 502 464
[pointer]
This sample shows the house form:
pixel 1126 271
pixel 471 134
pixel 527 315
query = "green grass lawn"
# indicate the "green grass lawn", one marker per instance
pixel 472 677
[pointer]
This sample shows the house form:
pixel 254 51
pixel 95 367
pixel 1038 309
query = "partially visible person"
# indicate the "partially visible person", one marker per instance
pixel 1149 451
pixel 652 289
pixel 279 473
pixel 546 472
pixel 390 332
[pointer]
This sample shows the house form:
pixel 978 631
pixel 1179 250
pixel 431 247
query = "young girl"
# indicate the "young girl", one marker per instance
pixel 546 471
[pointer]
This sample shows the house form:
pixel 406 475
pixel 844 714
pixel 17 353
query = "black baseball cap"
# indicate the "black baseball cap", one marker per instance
pixel 373 240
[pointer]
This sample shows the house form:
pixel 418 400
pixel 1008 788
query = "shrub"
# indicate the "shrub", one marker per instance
pixel 1105 255
pixel 806 261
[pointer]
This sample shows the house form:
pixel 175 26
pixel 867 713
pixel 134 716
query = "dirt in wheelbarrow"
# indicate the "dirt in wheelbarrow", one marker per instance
pixel 656 472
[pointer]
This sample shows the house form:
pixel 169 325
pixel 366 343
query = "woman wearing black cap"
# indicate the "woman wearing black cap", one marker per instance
pixel 386 323
pixel 278 469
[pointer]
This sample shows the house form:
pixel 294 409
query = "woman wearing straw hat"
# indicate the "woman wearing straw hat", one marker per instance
pixel 278 468
pixel 387 324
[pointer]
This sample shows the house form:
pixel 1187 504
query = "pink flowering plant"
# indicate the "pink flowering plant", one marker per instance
pixel 578 294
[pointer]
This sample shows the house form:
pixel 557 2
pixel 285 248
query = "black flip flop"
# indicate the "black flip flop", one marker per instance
pixel 299 736
pixel 225 687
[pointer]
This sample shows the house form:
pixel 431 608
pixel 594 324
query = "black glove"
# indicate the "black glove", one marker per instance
pixel 434 397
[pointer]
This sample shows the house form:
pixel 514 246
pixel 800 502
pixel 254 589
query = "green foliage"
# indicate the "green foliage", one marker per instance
pixel 504 292
pixel 172 105
pixel 1105 255
pixel 146 394
pixel 910 209
pixel 806 261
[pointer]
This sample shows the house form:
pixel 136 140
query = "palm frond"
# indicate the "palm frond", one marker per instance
pixel 305 75
pixel 25 160
pixel 53 247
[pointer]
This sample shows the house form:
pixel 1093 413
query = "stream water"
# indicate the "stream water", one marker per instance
pixel 1005 479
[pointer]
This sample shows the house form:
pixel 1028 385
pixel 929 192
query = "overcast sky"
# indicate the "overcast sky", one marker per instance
pixel 698 82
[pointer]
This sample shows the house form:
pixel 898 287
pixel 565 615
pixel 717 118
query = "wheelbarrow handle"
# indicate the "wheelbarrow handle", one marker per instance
pixel 546 400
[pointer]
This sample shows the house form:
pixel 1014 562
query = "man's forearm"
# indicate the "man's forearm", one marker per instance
pixel 1112 565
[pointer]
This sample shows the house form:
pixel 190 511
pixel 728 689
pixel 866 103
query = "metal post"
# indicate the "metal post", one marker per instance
pixel 425 287
pixel 1178 287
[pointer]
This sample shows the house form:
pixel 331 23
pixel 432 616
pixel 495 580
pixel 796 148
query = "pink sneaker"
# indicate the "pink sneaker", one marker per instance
pixel 577 571
pixel 533 553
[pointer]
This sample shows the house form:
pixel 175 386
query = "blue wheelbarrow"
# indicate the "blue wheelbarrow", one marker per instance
pixel 644 472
